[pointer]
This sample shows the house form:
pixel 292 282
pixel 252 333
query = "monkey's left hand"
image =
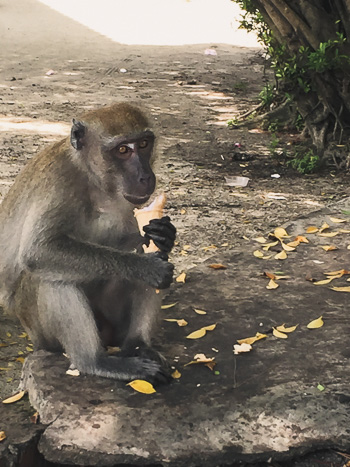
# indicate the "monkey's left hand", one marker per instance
pixel 162 232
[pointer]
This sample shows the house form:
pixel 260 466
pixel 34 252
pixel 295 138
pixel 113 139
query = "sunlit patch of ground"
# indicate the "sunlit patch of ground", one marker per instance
pixel 28 125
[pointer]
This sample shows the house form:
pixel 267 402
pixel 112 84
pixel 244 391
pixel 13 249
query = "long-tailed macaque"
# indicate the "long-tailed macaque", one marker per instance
pixel 71 266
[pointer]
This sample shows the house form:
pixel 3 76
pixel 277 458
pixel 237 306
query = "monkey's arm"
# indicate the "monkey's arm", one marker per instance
pixel 66 259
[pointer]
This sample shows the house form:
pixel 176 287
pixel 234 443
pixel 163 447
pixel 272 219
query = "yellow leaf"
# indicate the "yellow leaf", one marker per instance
pixel 279 334
pixel 311 230
pixel 24 334
pixel 280 233
pixel 181 278
pixel 8 334
pixel 336 273
pixel 183 211
pixel 258 254
pixel 197 334
pixel 287 247
pixel 217 266
pixel 210 328
pixel 176 374
pixel 267 257
pixel 324 282
pixel 166 307
pixel 210 247
pixel 269 245
pixel 180 322
pixel 281 255
pixel 341 289
pixel 29 349
pixel 241 348
pixel 286 330
pixel 301 239
pixel 329 247
pixel 337 221
pixel 324 227
pixel 316 323
pixel 199 312
pixel 2 436
pixel 14 398
pixel 293 244
pixel 143 386
pixel 20 359
pixel 251 340
pixel 272 285
pixel 260 240
pixel 328 234
pixel 344 231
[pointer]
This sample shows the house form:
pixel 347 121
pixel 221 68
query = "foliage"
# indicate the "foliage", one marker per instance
pixel 305 162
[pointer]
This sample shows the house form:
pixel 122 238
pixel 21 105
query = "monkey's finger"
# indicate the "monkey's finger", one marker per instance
pixel 163 243
pixel 161 230
pixel 163 221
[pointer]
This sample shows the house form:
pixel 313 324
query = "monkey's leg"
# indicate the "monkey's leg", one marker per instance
pixel 64 312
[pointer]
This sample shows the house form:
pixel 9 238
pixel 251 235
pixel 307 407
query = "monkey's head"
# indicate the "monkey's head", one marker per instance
pixel 115 146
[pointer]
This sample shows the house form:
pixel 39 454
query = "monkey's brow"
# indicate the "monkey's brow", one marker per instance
pixel 110 143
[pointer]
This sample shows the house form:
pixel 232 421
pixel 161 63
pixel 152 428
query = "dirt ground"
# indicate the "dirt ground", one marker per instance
pixel 190 92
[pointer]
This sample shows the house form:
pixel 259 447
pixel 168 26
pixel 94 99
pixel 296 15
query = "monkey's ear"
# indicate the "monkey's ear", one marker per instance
pixel 77 134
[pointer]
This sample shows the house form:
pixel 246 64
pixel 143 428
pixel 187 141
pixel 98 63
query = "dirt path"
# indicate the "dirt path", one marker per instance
pixel 47 78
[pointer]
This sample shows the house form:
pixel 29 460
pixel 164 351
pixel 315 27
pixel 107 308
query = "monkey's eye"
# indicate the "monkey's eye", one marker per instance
pixel 143 144
pixel 123 149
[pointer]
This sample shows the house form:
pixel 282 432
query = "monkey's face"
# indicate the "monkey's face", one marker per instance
pixel 133 156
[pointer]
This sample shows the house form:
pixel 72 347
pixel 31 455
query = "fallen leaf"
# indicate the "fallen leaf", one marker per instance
pixel 200 358
pixel 166 307
pixel 293 244
pixel 197 334
pixel 23 335
pixel 241 348
pixel 280 233
pixel 217 266
pixel 341 289
pixel 311 230
pixel 337 221
pixel 258 254
pixel 143 386
pixel 287 247
pixel 270 275
pixel 181 278
pixel 210 247
pixel 210 328
pixel 210 365
pixel 35 418
pixel 286 330
pixel 316 323
pixel 14 398
pixel 269 245
pixel 183 211
pixel 176 374
pixel 323 282
pixel 74 372
pixel 320 387
pixel 180 322
pixel 251 340
pixel 329 247
pixel 336 273
pixel 281 255
pixel 344 231
pixel 260 240
pixel 279 334
pixel 2 436
pixel 3 345
pixel 328 234
pixel 8 334
pixel 199 312
pixel 301 239
pixel 272 285
pixel 29 349
pixel 20 359
pixel 325 226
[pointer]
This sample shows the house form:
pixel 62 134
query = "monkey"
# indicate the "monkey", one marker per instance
pixel 72 267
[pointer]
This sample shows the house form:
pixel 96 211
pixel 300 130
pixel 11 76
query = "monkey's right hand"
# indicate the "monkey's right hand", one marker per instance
pixel 160 275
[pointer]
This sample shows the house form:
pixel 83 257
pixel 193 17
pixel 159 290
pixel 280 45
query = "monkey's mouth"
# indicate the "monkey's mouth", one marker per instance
pixel 136 200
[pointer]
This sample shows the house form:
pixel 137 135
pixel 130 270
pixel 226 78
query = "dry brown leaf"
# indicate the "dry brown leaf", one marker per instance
pixel 35 418
pixel 200 358
pixel 258 254
pixel 287 247
pixel 20 359
pixel 217 266
pixel 72 372
pixel 325 226
pixel 251 340
pixel 210 365
pixel 23 335
pixel 329 247
pixel 272 285
pixel 312 229
pixel 241 348
pixel 316 323
pixel 293 244
pixel 197 334
pixel 181 278
pixel 324 281
pixel 2 436
pixel 143 386
pixel 301 239
pixel 199 312
pixel 281 255
pixel 336 220
pixel 338 273
pixel 210 328
pixel 269 245
pixel 286 330
pixel 341 289
pixel 210 247
pixel 344 230
pixel 16 397
pixel 328 234
pixel 166 307
pixel 270 275
pixel 183 211
pixel 279 334
pixel 180 322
